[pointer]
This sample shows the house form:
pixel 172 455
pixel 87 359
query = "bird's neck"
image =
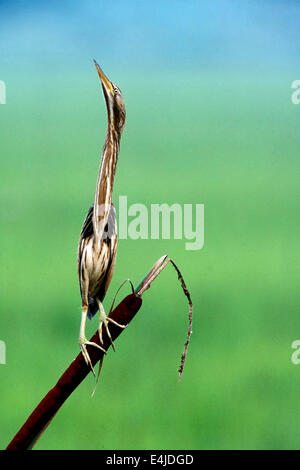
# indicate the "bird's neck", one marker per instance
pixel 105 182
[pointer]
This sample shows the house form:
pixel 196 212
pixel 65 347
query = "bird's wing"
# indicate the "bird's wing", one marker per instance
pixel 110 242
pixel 86 231
pixel 87 228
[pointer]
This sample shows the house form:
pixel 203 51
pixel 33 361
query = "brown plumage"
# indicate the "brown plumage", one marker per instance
pixel 97 246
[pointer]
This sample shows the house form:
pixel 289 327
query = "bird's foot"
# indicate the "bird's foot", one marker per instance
pixel 82 343
pixel 104 320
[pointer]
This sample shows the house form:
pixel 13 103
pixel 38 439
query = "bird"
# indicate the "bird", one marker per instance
pixel 97 247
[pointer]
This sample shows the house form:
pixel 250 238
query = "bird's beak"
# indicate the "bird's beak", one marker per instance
pixel 106 84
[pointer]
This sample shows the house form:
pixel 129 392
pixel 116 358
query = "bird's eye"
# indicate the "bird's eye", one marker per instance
pixel 116 90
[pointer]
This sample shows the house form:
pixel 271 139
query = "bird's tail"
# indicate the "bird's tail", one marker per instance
pixel 93 308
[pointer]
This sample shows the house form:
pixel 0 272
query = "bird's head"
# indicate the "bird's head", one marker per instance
pixel 114 101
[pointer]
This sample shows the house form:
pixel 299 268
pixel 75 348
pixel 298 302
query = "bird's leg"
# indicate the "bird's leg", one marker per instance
pixel 83 341
pixel 104 319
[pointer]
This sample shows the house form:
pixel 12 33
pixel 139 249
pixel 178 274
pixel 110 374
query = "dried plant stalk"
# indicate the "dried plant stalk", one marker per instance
pixel 146 283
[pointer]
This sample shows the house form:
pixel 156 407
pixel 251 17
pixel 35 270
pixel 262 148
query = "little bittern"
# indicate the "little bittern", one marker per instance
pixel 98 239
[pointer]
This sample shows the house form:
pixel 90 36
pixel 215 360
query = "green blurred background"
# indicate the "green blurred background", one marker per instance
pixel 209 120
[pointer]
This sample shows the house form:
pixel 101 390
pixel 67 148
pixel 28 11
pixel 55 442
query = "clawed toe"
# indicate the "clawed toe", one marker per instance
pixel 83 342
pixel 105 320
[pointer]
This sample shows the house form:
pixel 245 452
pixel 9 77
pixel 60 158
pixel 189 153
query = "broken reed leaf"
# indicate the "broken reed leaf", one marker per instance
pixel 146 283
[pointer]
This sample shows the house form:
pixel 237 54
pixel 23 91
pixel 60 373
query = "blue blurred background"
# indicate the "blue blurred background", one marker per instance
pixel 210 120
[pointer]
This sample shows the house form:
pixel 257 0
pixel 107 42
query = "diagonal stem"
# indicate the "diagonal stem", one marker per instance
pixel 43 414
pixel 39 419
